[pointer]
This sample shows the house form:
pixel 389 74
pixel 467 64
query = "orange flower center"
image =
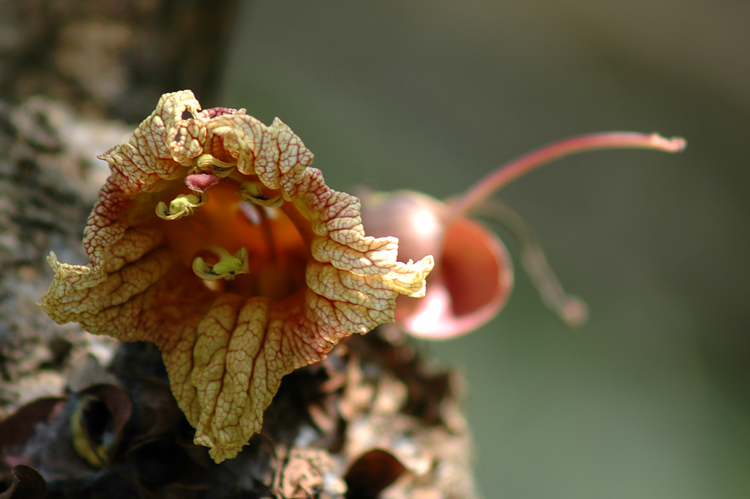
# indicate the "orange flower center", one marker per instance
pixel 277 253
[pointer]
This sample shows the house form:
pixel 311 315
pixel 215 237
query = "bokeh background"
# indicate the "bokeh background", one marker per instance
pixel 651 398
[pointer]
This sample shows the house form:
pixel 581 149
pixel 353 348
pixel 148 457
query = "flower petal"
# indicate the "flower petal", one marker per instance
pixel 225 353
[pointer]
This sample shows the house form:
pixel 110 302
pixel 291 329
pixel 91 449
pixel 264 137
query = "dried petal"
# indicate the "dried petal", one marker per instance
pixel 313 276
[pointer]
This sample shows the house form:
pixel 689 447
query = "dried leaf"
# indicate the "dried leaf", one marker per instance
pixel 98 421
pixel 27 484
pixel 372 472
pixel 156 413
pixel 17 429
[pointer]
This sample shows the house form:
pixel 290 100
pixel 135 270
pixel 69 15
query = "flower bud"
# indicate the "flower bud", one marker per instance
pixel 473 274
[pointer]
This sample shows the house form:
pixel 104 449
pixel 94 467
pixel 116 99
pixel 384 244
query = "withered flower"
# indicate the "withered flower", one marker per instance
pixel 214 239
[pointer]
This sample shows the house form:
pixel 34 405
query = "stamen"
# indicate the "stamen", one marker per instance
pixel 215 165
pixel 226 268
pixel 569 309
pixel 510 171
pixel 182 205
pixel 252 192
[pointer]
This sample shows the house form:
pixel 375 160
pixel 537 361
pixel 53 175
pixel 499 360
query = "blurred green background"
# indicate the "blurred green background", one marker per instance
pixel 650 399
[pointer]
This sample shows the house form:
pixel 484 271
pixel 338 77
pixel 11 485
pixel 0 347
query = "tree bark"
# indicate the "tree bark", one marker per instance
pixel 113 58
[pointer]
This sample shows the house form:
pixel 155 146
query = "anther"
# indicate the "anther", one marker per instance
pixel 182 205
pixel 226 268
pixel 215 165
pixel 252 192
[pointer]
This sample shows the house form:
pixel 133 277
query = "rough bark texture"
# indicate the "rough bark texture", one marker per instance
pixel 112 58
pixel 95 418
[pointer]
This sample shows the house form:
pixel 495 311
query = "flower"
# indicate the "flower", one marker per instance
pixel 473 274
pixel 214 239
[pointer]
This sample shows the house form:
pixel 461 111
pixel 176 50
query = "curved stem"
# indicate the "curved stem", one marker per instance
pixel 510 171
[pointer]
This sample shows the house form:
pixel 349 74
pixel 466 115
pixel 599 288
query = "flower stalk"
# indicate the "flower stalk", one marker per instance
pixel 505 174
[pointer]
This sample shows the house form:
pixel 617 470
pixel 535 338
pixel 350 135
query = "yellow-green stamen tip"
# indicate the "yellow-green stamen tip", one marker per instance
pixel 252 192
pixel 182 205
pixel 208 162
pixel 226 268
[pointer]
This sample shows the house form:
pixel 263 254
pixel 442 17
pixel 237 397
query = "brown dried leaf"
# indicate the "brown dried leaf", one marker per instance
pixel 372 472
pixel 17 429
pixel 27 484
